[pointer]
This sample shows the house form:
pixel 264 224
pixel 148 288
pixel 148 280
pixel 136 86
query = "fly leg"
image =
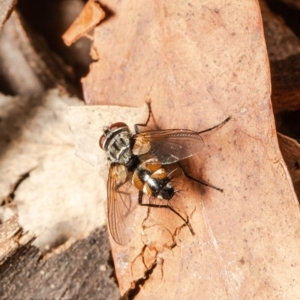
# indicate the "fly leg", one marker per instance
pixel 197 180
pixel 186 222
pixel 150 114
pixel 147 121
pixel 216 126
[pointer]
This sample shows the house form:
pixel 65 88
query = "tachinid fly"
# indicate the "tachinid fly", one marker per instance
pixel 140 158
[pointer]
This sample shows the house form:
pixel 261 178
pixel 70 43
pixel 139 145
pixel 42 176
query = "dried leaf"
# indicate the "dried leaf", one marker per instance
pixel 56 201
pixel 200 63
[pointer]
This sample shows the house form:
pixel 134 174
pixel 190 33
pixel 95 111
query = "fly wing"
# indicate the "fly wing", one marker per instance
pixel 169 146
pixel 119 205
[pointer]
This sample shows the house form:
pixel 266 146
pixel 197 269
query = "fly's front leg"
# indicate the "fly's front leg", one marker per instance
pixel 147 121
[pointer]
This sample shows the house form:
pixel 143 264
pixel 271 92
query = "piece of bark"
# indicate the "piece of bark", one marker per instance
pixel 83 271
pixel 284 55
pixel 6 8
pixel 200 63
pixel 290 150
pixel 12 237
pixel 27 65
pixel 91 15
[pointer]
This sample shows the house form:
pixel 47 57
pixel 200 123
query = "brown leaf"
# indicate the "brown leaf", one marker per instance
pixel 200 63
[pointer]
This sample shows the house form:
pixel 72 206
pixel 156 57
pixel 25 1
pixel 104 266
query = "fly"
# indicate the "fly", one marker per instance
pixel 140 157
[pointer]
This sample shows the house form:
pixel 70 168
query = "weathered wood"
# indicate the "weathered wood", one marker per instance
pixel 12 238
pixel 83 271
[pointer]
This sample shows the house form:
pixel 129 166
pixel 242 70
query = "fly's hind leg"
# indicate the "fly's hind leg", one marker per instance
pixel 197 180
pixel 186 222
pixel 216 126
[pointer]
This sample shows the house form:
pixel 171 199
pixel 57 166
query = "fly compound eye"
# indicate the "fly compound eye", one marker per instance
pixel 117 126
pixel 102 141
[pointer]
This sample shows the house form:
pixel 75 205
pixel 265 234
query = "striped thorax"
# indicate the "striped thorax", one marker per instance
pixel 116 141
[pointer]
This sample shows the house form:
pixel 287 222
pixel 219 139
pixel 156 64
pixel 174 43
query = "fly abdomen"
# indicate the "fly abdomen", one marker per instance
pixel 152 179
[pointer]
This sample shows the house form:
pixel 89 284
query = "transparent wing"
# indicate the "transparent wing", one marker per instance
pixel 119 206
pixel 169 146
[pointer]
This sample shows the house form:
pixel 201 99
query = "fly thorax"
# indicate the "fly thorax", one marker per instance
pixel 118 148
